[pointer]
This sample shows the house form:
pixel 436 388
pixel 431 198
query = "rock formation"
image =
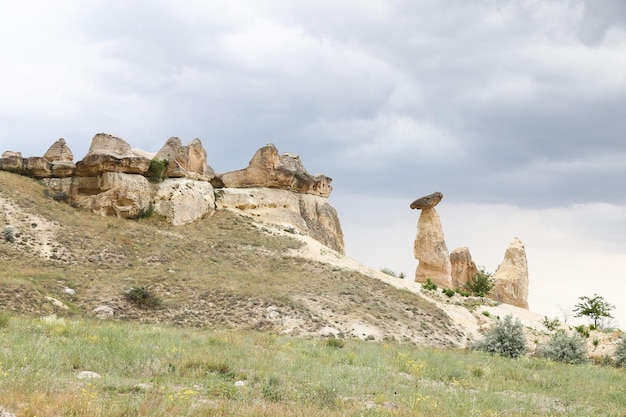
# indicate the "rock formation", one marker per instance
pixel 511 277
pixel 188 161
pixel 463 267
pixel 430 246
pixel 307 214
pixel 268 169
pixel 112 180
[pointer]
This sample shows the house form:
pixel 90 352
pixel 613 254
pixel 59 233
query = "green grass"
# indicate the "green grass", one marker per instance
pixel 150 370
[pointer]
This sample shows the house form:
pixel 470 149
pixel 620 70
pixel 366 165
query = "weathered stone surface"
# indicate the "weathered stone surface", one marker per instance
pixel 11 154
pixel 117 194
pixel 463 267
pixel 59 152
pixel 188 161
pixel 37 167
pixel 268 169
pixel 307 214
pixel 431 251
pixel 108 153
pixel 428 201
pixel 182 200
pixel 511 277
pixel 103 312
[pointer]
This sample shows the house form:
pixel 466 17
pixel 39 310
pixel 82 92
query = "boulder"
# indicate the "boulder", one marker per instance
pixel 183 201
pixel 511 277
pixel 269 169
pixel 302 213
pixel 118 194
pixel 59 152
pixel 428 201
pixel 108 153
pixel 431 251
pixel 463 267
pixel 36 167
pixel 188 161
pixel 11 161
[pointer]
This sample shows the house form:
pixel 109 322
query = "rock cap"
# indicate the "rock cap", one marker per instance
pixel 428 201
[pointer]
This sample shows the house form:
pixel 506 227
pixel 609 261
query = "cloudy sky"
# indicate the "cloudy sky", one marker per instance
pixel 514 109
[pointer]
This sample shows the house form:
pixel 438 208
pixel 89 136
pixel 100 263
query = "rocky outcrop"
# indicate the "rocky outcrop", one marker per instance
pixel 511 277
pixel 188 161
pixel 463 267
pixel 302 213
pixel 428 201
pixel 268 169
pixel 115 180
pixel 108 153
pixel 182 201
pixel 431 251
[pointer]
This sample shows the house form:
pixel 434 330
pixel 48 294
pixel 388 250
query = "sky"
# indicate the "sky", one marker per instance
pixel 514 109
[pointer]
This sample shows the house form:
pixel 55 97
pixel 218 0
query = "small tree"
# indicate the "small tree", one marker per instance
pixel 595 308
pixel 481 283
pixel 506 339
pixel 620 352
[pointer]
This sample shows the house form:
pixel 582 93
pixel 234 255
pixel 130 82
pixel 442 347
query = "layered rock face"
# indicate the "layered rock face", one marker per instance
pixel 463 267
pixel 112 180
pixel 511 277
pixel 308 214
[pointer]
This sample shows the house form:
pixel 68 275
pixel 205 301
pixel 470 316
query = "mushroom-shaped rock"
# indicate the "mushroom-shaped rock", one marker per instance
pixel 108 153
pixel 270 170
pixel 428 201
pixel 511 277
pixel 431 251
pixel 188 161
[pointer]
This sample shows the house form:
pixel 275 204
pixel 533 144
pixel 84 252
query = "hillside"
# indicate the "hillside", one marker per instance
pixel 221 272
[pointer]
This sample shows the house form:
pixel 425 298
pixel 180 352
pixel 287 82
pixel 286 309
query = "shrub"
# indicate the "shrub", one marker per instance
pixel 4 320
pixel 272 389
pixel 156 172
pixel 143 298
pixel 8 234
pixel 388 271
pixel 551 324
pixel 564 348
pixel 462 292
pixel 145 213
pixel 449 292
pixel 481 283
pixel 620 352
pixel 582 330
pixel 334 342
pixel 506 339
pixel 429 285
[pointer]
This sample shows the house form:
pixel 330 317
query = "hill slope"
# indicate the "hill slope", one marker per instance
pixel 221 272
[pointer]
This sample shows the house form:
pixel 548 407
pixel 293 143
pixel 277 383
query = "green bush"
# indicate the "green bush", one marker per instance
pixel 564 348
pixel 8 234
pixel 449 292
pixel 429 285
pixel 143 298
pixel 157 170
pixel 481 283
pixel 272 389
pixel 506 339
pixel 620 352
pixel 551 324
pixel 583 330
pixel 334 342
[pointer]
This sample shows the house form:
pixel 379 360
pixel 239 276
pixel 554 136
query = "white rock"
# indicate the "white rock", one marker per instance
pixel 88 375
pixel 103 312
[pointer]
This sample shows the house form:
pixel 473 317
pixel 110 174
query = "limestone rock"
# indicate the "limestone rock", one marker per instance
pixel 463 267
pixel 11 161
pixel 37 167
pixel 431 251
pixel 428 201
pixel 88 375
pixel 108 153
pixel 116 194
pixel 511 277
pixel 188 161
pixel 59 152
pixel 269 169
pixel 307 214
pixel 103 312
pixel 183 201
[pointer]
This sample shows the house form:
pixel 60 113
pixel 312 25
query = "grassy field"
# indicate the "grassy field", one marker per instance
pixel 153 370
